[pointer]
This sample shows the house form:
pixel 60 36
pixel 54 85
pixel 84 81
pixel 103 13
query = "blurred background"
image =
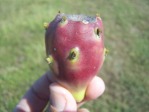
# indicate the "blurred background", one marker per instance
pixel 126 68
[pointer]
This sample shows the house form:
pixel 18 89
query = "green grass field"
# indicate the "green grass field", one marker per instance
pixel 126 68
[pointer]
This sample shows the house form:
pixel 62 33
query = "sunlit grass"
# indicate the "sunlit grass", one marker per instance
pixel 125 70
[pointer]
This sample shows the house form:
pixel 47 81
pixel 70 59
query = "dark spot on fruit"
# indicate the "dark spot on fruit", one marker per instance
pixel 72 56
pixel 98 32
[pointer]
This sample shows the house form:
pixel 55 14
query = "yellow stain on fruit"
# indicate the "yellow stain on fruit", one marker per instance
pixel 49 59
pixel 63 21
pixel 79 95
pixel 97 15
pixel 106 51
pixel 45 25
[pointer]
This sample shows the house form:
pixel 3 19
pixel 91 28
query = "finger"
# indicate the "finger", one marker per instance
pixel 83 110
pixel 61 99
pixel 80 103
pixel 38 95
pixel 53 109
pixel 95 88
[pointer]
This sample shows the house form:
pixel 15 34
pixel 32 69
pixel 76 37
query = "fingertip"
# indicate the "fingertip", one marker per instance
pixel 53 109
pixel 95 89
pixel 83 110
pixel 23 106
pixel 61 99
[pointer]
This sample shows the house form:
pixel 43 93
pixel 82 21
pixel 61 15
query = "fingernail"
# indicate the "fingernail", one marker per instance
pixel 61 98
pixel 57 101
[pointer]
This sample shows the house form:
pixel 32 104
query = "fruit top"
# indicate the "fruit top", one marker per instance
pixel 74 17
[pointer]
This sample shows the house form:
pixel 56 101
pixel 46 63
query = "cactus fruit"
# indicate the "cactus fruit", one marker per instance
pixel 75 50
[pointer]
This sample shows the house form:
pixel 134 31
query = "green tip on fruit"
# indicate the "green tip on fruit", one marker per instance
pixel 74 54
pixel 45 25
pixel 49 59
pixel 78 95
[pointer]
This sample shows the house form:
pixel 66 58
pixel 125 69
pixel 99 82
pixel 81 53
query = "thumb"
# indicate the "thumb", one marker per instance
pixel 61 99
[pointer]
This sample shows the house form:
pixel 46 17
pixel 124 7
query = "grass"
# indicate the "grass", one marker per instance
pixel 125 70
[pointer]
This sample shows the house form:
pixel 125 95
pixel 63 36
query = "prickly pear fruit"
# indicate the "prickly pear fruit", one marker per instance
pixel 75 50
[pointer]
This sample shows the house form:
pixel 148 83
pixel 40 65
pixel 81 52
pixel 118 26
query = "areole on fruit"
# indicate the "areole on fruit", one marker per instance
pixel 75 50
pixel 46 25
pixel 98 32
pixel 74 54
pixel 49 59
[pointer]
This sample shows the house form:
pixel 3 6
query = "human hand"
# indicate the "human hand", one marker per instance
pixel 40 93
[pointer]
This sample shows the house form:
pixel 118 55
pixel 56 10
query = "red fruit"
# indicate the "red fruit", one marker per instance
pixel 75 50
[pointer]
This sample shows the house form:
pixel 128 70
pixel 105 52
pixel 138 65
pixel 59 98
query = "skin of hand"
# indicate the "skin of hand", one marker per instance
pixel 46 89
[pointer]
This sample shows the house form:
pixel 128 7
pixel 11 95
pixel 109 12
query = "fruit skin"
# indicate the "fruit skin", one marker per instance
pixel 76 45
